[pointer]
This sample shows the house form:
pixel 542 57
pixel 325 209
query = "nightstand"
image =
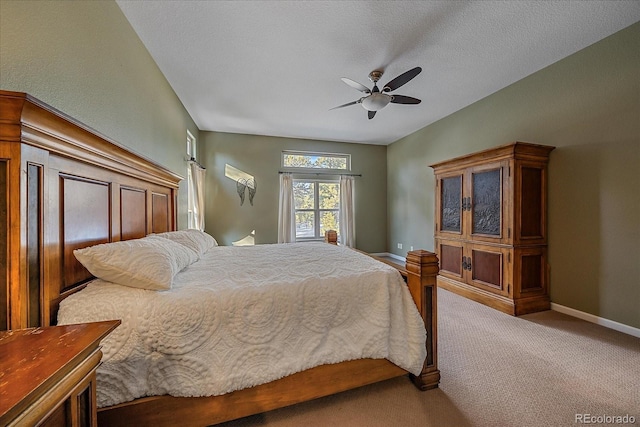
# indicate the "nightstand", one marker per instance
pixel 48 375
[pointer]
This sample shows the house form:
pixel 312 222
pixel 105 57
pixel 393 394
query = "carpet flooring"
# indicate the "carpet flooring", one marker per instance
pixel 542 369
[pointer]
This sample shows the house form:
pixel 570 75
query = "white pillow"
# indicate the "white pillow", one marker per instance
pixel 196 240
pixel 147 263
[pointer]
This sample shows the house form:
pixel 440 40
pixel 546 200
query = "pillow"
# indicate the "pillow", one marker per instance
pixel 147 263
pixel 196 240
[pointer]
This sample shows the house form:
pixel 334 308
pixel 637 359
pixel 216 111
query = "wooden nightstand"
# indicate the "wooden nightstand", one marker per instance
pixel 48 375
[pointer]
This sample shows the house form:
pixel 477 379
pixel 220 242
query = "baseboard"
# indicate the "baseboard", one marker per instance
pixel 390 255
pixel 620 327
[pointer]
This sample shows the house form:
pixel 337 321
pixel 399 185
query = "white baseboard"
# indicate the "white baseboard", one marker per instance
pixel 620 327
pixel 390 255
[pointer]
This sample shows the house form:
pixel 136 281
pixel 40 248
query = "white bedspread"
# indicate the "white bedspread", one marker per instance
pixel 243 316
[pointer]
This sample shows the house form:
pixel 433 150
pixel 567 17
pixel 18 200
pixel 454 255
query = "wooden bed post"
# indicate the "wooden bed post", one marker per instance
pixel 331 237
pixel 422 269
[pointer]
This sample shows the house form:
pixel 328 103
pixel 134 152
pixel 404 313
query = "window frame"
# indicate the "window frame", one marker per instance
pixel 301 170
pixel 191 155
pixel 320 175
pixel 316 203
pixel 191 146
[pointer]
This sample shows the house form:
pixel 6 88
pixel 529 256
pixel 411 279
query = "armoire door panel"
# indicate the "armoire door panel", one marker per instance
pixel 531 208
pixel 450 256
pixel 489 269
pixel 488 208
pixel 451 204
pixel 530 266
pixel 486 212
pixel 531 273
pixel 531 205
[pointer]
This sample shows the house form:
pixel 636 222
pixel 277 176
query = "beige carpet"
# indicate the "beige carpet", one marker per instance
pixel 536 370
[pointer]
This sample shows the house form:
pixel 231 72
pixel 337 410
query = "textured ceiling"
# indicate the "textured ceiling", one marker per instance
pixel 274 67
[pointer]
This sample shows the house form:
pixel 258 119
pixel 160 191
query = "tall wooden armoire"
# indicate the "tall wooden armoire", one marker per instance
pixel 491 227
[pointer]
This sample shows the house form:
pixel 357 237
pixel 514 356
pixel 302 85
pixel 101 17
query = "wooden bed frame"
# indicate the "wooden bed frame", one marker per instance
pixel 65 186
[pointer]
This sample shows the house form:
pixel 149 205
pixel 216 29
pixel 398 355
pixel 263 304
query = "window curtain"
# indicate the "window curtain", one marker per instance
pixel 286 211
pixel 196 196
pixel 346 215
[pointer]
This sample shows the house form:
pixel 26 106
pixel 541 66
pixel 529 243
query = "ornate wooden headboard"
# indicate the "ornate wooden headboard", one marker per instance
pixel 64 186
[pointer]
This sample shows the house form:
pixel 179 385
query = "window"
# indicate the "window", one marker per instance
pixel 317 206
pixel 316 190
pixel 191 146
pixel 191 154
pixel 301 160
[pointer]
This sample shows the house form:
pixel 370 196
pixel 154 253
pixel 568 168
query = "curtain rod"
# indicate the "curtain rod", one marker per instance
pixel 193 160
pixel 320 173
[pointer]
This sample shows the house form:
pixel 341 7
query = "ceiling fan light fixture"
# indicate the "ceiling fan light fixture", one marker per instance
pixel 376 101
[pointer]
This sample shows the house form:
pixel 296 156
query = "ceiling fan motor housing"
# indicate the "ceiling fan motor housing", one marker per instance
pixel 375 75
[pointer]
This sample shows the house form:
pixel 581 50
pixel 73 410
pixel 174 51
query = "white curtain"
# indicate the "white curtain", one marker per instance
pixel 196 196
pixel 346 216
pixel 286 211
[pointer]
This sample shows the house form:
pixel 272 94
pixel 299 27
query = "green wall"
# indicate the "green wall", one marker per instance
pixel 586 105
pixel 260 156
pixel 84 59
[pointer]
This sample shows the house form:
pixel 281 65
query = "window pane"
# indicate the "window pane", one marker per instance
pixel 303 194
pixel 304 224
pixel 328 221
pixel 319 161
pixel 329 162
pixel 297 161
pixel 329 195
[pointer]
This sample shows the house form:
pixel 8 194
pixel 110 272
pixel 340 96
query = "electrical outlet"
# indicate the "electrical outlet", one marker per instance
pixel 399 245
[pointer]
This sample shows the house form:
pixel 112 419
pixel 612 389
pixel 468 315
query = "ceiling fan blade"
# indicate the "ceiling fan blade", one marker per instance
pixel 345 105
pixel 371 114
pixel 402 79
pixel 401 99
pixel 356 85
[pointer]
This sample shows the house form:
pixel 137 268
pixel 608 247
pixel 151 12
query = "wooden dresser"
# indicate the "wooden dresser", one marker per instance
pixel 48 375
pixel 491 227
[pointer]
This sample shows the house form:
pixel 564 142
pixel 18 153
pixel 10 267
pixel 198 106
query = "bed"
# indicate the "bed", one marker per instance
pixel 65 188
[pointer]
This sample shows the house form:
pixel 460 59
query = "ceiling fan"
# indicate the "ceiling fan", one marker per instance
pixel 375 99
